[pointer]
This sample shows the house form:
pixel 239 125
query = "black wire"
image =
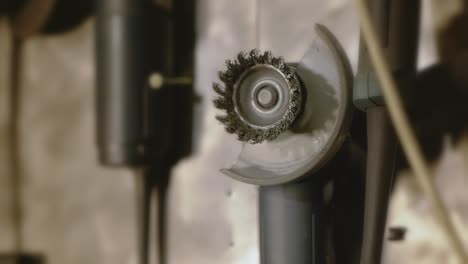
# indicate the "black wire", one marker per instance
pixel 381 157
pixel 14 142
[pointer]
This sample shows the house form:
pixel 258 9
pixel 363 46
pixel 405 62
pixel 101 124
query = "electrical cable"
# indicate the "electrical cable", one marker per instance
pixel 381 154
pixel 404 131
pixel 14 138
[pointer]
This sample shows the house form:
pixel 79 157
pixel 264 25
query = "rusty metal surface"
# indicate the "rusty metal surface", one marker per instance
pixel 78 212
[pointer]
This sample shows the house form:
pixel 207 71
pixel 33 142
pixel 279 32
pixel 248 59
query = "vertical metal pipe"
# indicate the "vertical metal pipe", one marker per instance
pixel 291 230
pixel 121 75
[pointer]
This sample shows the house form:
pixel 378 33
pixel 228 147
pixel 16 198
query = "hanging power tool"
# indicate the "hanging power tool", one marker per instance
pixel 305 115
pixel 295 120
pixel 142 123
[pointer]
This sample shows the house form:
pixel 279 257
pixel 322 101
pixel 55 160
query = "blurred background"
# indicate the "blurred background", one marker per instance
pixel 58 201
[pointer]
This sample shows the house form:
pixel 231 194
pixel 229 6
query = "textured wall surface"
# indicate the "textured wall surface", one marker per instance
pixel 75 211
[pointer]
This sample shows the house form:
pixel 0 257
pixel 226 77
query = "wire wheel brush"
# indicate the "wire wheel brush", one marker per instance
pixel 261 95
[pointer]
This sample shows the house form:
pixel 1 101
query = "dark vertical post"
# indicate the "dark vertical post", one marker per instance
pixel 397 22
pixel 14 140
pixel 381 159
